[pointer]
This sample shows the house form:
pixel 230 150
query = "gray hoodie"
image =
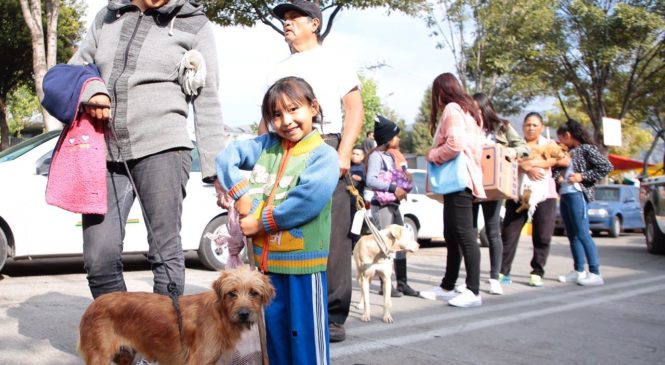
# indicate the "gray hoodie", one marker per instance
pixel 138 56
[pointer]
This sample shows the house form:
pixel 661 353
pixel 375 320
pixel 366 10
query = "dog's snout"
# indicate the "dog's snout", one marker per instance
pixel 243 314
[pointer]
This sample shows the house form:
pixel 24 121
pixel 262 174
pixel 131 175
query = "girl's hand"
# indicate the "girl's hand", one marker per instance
pixel 223 200
pixel 575 178
pixel 564 162
pixel 400 194
pixel 250 226
pixel 244 205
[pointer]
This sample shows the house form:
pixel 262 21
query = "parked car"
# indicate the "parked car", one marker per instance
pixel 616 208
pixel 653 202
pixel 29 228
pixel 422 214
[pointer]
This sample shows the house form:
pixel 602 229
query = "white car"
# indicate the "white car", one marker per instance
pixel 422 214
pixel 30 228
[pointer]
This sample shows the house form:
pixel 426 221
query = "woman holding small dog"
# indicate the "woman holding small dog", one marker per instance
pixel 456 124
pixel 576 180
pixel 497 131
pixel 384 158
pixel 285 206
pixel 542 220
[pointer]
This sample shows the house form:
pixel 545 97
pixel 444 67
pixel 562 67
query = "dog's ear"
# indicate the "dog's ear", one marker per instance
pixel 395 231
pixel 217 284
pixel 268 290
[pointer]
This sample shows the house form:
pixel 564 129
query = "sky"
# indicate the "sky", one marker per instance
pixel 368 36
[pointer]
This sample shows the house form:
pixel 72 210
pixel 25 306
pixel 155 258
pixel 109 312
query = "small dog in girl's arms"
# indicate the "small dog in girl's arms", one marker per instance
pixel 532 192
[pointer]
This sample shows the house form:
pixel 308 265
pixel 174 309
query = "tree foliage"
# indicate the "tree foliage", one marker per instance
pixel 250 12
pixel 421 138
pixel 16 66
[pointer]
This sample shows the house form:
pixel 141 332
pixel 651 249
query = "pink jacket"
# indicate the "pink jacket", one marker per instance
pixel 459 132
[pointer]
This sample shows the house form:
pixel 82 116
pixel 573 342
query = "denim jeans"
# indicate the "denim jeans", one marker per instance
pixel 492 218
pixel 460 241
pixel 160 180
pixel 576 220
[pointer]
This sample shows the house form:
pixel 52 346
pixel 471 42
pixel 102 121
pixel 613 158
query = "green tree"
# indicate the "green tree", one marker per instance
pixel 371 104
pixel 607 56
pixel 251 12
pixel 490 56
pixel 23 103
pixel 16 65
pixel 421 138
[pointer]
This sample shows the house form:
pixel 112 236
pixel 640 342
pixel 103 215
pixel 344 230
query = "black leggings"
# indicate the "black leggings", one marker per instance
pixel 460 241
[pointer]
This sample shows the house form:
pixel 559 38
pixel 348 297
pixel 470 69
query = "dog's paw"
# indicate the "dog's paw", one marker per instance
pixel 360 305
pixel 387 318
pixel 366 317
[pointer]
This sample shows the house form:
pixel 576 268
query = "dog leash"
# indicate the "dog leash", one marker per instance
pixel 171 287
pixel 360 204
pixel 262 325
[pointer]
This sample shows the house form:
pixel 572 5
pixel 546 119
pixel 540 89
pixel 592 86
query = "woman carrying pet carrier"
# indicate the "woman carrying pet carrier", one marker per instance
pixel 576 181
pixel 497 131
pixel 387 161
pixel 542 220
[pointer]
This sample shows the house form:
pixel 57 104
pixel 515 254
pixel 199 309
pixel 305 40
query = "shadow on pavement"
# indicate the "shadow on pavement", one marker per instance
pixel 53 317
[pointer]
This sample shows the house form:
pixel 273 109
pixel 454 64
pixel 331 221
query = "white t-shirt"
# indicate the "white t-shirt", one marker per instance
pixel 330 75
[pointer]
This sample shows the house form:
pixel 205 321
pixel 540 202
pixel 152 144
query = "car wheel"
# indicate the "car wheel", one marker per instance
pixel 615 228
pixel 212 256
pixel 559 232
pixel 411 225
pixel 654 236
pixel 4 249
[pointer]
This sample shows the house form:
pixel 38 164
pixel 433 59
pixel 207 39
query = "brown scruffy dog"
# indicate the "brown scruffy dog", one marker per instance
pixel 118 325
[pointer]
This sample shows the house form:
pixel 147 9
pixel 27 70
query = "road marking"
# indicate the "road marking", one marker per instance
pixel 364 345
pixel 579 291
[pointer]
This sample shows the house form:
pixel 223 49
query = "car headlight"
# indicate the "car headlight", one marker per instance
pixel 598 212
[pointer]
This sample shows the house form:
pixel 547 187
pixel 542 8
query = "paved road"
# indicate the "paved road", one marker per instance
pixel 622 322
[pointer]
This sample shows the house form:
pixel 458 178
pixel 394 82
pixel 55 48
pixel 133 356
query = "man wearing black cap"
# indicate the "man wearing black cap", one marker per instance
pixel 333 80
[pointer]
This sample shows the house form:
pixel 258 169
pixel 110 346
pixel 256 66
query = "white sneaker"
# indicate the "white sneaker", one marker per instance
pixel 591 280
pixel 495 287
pixel 466 299
pixel 437 293
pixel 460 288
pixel 572 277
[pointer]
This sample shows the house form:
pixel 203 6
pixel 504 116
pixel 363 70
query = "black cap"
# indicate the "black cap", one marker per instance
pixel 384 130
pixel 308 8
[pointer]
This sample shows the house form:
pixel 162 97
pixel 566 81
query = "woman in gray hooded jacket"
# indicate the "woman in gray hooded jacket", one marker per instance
pixel 146 50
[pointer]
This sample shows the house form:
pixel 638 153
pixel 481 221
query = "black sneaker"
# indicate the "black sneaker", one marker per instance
pixel 336 332
pixel 407 290
pixel 394 292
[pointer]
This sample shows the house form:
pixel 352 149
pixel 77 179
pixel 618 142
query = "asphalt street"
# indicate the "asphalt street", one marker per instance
pixel 622 322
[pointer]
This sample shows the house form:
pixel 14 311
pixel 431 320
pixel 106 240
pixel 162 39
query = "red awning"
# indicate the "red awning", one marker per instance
pixel 625 163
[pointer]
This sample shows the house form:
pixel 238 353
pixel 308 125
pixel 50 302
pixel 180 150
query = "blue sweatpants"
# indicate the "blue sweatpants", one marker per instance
pixel 297 320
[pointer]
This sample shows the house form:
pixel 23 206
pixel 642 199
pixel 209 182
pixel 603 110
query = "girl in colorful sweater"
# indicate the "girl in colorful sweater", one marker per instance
pixel 285 207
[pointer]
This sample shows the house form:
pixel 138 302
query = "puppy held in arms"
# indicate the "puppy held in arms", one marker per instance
pixel 370 259
pixel 533 192
pixel 116 326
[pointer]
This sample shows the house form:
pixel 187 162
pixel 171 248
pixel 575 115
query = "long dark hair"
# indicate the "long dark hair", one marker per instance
pixel 577 131
pixel 295 89
pixel 447 89
pixel 491 121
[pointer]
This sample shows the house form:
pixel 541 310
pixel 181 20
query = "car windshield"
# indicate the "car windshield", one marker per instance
pixel 26 146
pixel 418 182
pixel 607 194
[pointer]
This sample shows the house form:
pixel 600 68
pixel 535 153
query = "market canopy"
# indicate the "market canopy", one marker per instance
pixel 625 163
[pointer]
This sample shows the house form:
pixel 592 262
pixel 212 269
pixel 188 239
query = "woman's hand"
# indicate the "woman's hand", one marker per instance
pixel 98 107
pixel 250 226
pixel 575 178
pixel 564 162
pixel 535 174
pixel 400 194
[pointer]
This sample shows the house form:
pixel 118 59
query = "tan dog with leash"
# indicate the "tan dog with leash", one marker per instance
pixel 371 257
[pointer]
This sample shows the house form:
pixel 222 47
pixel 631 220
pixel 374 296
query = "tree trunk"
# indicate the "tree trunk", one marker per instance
pixel 4 128
pixel 32 13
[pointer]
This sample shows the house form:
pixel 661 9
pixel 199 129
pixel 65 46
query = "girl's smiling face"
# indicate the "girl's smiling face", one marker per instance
pixel 293 121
